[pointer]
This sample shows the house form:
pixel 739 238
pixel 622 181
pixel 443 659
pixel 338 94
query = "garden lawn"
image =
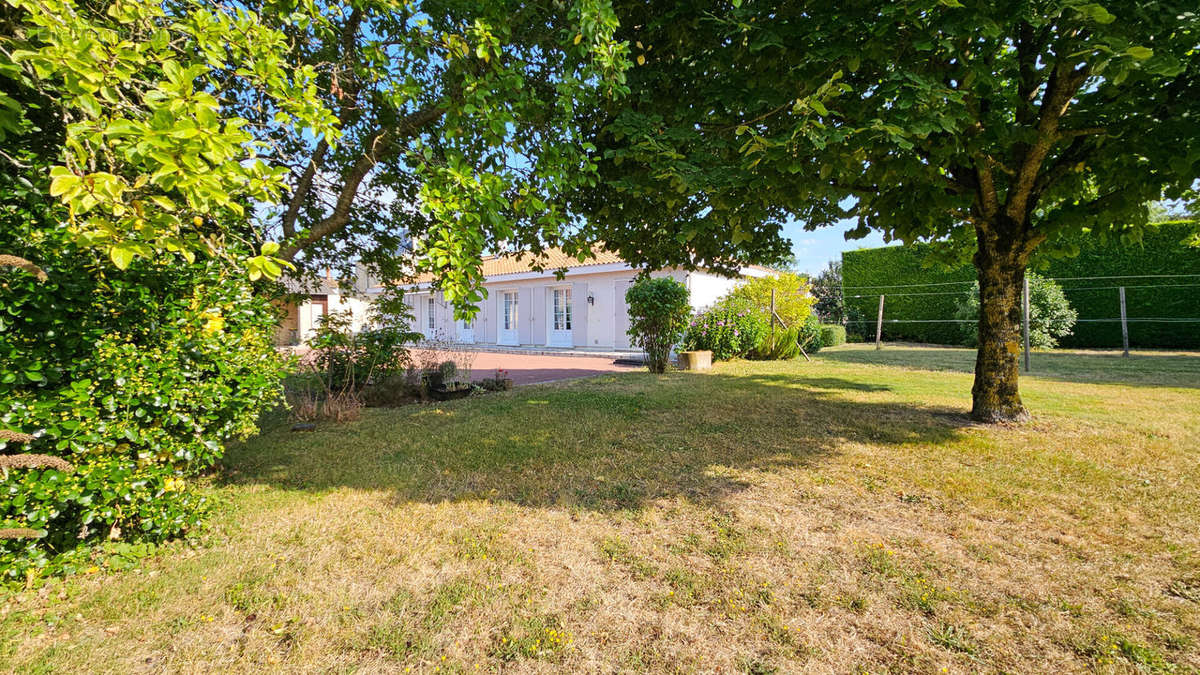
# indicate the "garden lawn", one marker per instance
pixel 827 516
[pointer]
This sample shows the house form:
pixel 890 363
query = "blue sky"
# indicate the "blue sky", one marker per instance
pixel 814 250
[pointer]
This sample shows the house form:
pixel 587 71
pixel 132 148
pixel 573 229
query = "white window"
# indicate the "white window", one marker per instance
pixel 430 321
pixel 562 309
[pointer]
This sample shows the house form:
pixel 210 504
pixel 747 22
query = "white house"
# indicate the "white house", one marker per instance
pixel 320 297
pixel 585 309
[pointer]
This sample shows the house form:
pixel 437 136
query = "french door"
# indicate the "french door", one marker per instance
pixel 560 318
pixel 507 334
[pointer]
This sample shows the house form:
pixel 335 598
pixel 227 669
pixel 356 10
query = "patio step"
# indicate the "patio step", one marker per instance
pixel 630 357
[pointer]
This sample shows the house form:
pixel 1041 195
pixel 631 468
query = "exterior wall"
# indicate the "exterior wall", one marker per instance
pixel 301 321
pixel 705 288
pixel 288 331
pixel 601 324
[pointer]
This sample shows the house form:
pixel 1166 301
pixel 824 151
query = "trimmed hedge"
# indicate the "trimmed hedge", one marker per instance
pixel 832 336
pixel 1162 251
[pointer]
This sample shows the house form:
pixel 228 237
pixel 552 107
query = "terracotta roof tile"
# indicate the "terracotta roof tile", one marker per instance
pixel 552 259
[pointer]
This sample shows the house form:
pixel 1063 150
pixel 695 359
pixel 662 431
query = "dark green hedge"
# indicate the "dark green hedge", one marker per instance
pixel 1161 252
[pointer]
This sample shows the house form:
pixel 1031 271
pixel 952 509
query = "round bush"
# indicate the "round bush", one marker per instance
pixel 658 312
pixel 832 335
pixel 810 334
pixel 727 333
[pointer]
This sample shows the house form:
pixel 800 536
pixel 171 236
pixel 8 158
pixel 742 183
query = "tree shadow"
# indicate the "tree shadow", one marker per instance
pixel 1141 368
pixel 608 443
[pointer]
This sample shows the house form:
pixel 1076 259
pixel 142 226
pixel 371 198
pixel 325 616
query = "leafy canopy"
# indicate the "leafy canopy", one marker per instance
pixel 458 134
pixel 152 160
pixel 919 119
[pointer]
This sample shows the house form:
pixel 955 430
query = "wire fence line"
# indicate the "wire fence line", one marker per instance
pixel 1076 288
pixel 935 289
pixel 972 281
pixel 1128 319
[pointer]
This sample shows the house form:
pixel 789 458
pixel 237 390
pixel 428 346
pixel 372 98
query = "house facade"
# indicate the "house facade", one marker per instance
pixel 318 298
pixel 585 309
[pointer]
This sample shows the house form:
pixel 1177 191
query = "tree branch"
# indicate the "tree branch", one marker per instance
pixel 377 145
pixel 1064 82
pixel 302 189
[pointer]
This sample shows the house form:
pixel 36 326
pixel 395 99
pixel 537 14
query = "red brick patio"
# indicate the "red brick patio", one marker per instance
pixel 531 368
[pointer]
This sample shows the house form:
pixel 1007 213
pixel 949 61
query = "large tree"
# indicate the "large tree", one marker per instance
pixel 994 125
pixel 458 134
pixel 400 134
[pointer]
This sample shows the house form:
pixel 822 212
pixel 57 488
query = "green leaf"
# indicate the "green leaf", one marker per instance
pixel 1097 13
pixel 1140 53
pixel 122 255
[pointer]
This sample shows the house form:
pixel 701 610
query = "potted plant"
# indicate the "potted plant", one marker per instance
pixel 503 381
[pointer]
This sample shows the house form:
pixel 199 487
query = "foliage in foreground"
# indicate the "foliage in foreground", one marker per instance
pixel 136 377
pixel 658 315
pixel 1051 316
pixel 152 161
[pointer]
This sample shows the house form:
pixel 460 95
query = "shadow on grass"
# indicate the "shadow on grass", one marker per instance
pixel 1142 368
pixel 609 443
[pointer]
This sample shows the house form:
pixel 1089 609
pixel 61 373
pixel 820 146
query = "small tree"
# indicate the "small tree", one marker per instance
pixel 658 315
pixel 793 302
pixel 829 304
pixel 1051 316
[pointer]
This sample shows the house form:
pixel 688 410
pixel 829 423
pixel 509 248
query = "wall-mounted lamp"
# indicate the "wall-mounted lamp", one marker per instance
pixel 591 299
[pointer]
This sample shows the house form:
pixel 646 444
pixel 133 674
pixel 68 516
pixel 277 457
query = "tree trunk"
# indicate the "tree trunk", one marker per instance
pixel 1001 271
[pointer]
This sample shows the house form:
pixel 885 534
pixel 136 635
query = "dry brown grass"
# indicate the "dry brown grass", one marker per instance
pixel 826 517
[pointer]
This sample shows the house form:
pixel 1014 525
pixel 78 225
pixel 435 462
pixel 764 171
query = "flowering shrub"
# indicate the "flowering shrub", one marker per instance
pixel 727 333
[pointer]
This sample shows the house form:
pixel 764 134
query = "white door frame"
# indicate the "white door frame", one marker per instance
pixel 556 336
pixel 508 335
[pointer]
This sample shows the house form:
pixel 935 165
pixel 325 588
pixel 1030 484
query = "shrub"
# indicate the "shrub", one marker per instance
pixel 349 361
pixel 832 335
pixel 658 315
pixel 793 302
pixel 135 376
pixel 1050 315
pixel 727 333
pixel 783 347
pixel 810 334
pixel 828 301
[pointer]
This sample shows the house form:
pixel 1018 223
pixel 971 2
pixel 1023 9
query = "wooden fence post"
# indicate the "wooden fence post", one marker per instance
pixel 1025 319
pixel 772 318
pixel 879 325
pixel 1124 325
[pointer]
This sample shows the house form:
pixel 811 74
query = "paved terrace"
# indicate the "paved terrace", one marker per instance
pixel 538 365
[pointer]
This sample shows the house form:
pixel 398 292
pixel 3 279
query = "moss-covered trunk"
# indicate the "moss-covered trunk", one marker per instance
pixel 1001 269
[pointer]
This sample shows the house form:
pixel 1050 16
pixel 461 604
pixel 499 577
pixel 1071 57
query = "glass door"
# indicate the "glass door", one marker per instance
pixel 508 319
pixel 560 325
